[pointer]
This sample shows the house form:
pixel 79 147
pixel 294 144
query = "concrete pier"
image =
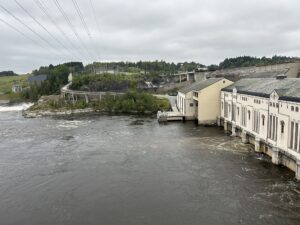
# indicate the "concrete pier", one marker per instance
pixel 257 145
pixel 297 170
pixel 233 131
pixel 275 156
pixel 225 126
pixel 245 138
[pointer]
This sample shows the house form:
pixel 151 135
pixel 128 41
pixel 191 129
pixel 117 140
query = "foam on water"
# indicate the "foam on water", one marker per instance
pixel 12 108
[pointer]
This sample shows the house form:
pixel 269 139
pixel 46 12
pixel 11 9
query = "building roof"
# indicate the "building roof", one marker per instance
pixel 198 86
pixel 287 89
pixel 38 79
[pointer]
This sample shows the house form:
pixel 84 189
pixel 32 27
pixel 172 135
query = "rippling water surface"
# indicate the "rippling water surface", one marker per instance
pixel 131 170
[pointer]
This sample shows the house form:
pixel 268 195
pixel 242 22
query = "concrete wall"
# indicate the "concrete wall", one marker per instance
pixel 209 102
pixel 185 104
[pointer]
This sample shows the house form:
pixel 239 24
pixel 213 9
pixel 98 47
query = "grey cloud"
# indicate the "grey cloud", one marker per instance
pixel 206 31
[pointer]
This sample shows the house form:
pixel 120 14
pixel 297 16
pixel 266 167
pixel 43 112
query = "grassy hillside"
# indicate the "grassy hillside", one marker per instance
pixel 6 85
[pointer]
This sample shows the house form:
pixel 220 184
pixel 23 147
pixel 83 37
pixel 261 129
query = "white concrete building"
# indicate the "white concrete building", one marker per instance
pixel 266 113
pixel 16 88
pixel 201 100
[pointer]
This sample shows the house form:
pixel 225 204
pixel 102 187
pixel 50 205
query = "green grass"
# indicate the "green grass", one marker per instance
pixel 7 82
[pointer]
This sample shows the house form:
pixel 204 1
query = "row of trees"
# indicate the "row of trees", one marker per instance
pixel 148 67
pixel 76 67
pixel 104 82
pixel 57 76
pixel 7 73
pixel 244 61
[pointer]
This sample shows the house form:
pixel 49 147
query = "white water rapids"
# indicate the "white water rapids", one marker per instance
pixel 17 107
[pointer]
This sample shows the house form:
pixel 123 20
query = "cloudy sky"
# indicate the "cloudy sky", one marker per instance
pixel 36 32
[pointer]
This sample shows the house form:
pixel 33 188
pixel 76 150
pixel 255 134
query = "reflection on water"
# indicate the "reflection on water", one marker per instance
pixel 131 170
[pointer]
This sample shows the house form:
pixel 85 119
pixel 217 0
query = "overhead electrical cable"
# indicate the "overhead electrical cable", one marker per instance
pixel 29 28
pixel 94 14
pixel 43 9
pixel 22 33
pixel 84 24
pixel 44 28
pixel 72 27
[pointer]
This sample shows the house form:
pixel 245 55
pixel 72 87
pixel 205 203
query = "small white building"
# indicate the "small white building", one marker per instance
pixel 16 88
pixel 201 100
pixel 266 113
pixel 70 77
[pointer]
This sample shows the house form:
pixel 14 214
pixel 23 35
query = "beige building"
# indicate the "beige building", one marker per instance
pixel 201 100
pixel 266 113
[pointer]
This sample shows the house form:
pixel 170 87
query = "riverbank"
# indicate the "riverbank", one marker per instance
pixel 129 103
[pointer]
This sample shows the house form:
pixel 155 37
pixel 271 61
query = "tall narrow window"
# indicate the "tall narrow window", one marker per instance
pixel 292 135
pixel 270 126
pixel 296 136
pixel 263 120
pixel 282 126
pixel 225 109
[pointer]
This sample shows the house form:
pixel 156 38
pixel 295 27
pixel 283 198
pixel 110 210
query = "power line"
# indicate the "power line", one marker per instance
pixel 94 14
pixel 84 23
pixel 71 26
pixel 43 27
pixel 20 32
pixel 81 18
pixel 20 21
pixel 43 9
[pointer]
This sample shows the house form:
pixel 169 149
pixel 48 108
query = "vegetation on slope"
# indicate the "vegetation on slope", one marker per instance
pixel 104 82
pixel 245 61
pixel 6 83
pixel 131 102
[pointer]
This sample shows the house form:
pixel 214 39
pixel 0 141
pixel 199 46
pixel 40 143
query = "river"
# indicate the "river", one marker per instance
pixel 129 170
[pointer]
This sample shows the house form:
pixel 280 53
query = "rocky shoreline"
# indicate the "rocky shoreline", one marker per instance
pixel 49 113
pixel 59 113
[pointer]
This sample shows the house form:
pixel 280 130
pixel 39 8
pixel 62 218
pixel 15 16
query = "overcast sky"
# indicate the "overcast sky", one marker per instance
pixel 205 31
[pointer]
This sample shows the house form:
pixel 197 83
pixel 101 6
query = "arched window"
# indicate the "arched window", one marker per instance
pixel 263 119
pixel 282 126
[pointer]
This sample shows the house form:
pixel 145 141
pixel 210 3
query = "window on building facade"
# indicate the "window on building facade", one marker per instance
pixel 297 109
pixel 263 119
pixel 225 109
pixel 249 114
pixel 296 136
pixel 292 108
pixel 256 121
pixel 233 112
pixel 244 116
pixel 292 135
pixel 191 104
pixel 272 130
pixel 282 126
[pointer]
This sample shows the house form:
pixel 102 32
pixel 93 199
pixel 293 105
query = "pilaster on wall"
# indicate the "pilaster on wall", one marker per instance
pixel 275 156
pixel 245 138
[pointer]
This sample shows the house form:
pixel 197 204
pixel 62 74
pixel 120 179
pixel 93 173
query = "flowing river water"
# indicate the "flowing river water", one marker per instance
pixel 129 170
